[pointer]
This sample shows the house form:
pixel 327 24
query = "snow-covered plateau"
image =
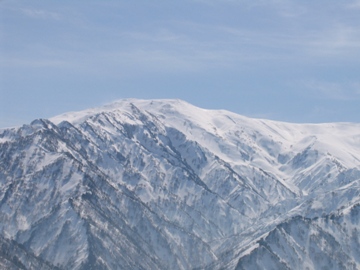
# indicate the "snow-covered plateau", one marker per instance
pixel 161 184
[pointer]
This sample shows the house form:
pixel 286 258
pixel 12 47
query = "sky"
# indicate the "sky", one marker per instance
pixel 286 60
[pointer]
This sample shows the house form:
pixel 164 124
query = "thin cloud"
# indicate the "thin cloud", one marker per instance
pixel 334 90
pixel 166 51
pixel 334 41
pixel 284 8
pixel 354 5
pixel 41 14
pixel 341 39
pixel 36 63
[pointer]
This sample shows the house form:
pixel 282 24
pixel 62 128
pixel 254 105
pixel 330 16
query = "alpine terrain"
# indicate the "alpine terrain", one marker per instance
pixel 161 184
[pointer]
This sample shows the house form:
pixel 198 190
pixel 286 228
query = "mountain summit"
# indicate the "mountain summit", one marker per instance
pixel 161 184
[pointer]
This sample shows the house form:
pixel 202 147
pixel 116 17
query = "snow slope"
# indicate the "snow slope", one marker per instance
pixel 161 184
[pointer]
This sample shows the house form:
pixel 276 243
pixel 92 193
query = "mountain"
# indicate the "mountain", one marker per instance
pixel 161 184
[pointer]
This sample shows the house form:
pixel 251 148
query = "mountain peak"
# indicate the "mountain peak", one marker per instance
pixel 120 105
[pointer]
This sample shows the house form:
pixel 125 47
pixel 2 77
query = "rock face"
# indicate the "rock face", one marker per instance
pixel 161 184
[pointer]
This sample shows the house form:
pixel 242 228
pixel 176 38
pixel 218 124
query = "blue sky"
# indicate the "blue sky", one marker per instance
pixel 288 60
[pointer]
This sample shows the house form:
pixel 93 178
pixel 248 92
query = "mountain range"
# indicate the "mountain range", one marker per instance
pixel 162 184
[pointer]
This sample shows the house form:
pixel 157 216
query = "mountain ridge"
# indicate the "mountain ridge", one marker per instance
pixel 163 180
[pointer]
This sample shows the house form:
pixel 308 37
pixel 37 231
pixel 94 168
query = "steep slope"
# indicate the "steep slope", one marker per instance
pixel 15 256
pixel 162 184
pixel 328 242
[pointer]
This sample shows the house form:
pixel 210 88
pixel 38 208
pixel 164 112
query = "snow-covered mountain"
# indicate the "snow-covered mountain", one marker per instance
pixel 161 184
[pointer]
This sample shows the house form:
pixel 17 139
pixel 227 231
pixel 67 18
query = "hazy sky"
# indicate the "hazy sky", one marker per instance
pixel 289 60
